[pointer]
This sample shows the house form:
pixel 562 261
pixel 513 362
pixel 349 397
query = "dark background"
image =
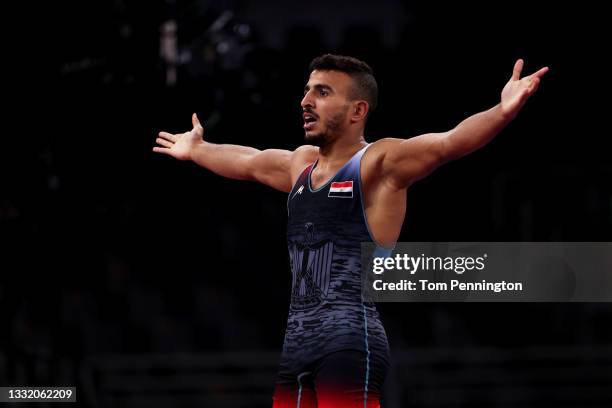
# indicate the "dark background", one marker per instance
pixel 145 281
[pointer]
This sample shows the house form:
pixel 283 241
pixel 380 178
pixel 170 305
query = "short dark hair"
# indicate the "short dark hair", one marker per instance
pixel 361 73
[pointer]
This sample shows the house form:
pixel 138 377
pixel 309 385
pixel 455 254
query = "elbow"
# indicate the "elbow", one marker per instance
pixel 448 148
pixel 438 152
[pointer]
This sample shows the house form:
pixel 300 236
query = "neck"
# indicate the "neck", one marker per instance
pixel 339 151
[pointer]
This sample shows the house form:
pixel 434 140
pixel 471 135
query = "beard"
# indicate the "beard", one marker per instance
pixel 330 132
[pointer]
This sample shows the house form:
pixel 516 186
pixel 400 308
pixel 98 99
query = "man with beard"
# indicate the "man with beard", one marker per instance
pixel 342 191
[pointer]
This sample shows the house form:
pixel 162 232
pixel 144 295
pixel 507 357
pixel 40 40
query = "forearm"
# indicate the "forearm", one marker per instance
pixel 226 160
pixel 474 132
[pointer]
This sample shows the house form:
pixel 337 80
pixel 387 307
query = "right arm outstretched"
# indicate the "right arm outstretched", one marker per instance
pixel 273 167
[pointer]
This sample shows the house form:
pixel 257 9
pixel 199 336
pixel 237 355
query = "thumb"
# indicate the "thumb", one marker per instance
pixel 195 121
pixel 516 72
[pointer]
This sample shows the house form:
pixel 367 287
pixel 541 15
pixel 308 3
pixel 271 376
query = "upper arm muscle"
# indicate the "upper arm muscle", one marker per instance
pixel 271 167
pixel 409 160
pixel 280 168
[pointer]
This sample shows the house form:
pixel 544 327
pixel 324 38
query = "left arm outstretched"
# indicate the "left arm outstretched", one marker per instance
pixel 406 161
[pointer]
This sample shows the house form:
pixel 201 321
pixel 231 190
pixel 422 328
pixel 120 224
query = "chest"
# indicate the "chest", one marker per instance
pixel 338 199
pixel 318 178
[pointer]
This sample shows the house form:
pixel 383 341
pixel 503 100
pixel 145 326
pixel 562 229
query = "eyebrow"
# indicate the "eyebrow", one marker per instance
pixel 318 87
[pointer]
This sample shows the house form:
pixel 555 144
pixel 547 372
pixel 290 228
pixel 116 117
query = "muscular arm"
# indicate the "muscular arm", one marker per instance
pixel 273 167
pixel 406 161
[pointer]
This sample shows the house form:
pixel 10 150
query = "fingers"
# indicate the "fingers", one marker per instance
pixel 195 121
pixel 540 73
pixel 167 140
pixel 516 72
pixel 168 136
pixel 163 142
pixel 161 150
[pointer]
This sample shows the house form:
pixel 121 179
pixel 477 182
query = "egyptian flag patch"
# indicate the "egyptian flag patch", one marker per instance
pixel 342 189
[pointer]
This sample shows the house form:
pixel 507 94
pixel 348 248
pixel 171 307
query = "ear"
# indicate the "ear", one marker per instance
pixel 359 110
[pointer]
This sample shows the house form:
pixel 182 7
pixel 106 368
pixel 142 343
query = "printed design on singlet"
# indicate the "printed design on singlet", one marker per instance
pixel 325 229
pixel 311 267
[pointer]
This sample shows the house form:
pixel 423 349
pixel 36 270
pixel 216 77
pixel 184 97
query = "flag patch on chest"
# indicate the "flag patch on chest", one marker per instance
pixel 343 189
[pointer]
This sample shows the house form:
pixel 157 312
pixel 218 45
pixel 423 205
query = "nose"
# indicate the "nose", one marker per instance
pixel 307 101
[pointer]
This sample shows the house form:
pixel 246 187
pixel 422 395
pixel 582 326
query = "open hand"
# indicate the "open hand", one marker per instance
pixel 180 145
pixel 518 90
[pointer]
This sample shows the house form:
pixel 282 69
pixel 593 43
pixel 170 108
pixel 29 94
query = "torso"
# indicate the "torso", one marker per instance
pixel 326 228
pixel 385 205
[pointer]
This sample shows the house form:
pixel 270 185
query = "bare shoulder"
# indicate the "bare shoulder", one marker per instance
pixel 383 146
pixel 401 162
pixel 306 150
pixel 376 154
pixel 391 146
pixel 302 157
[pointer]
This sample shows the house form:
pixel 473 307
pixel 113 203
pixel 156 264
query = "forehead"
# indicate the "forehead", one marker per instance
pixel 334 79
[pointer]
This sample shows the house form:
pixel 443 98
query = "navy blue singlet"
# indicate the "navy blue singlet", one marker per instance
pixel 325 230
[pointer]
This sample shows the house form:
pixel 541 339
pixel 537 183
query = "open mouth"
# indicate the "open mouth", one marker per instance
pixel 309 121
